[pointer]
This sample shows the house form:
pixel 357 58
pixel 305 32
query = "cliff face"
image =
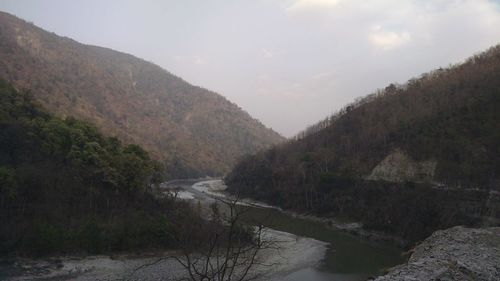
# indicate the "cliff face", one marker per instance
pixel 195 131
pixel 457 253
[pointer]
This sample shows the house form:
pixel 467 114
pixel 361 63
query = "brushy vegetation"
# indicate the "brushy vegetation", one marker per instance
pixel 66 188
pixel 450 116
pixel 193 131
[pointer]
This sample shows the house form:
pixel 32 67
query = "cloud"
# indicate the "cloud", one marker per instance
pixel 199 61
pixel 308 58
pixel 196 60
pixel 387 40
pixel 308 5
pixel 409 37
pixel 321 76
pixel 267 54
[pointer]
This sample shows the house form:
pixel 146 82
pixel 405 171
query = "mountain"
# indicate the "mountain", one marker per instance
pixel 193 130
pixel 407 159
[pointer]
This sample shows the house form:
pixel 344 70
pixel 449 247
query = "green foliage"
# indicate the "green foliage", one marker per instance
pixel 8 183
pixel 64 187
pixel 91 237
pixel 43 238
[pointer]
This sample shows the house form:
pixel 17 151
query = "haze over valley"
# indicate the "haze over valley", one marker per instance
pixel 289 63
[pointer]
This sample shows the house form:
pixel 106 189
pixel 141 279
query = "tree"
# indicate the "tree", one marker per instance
pixel 223 247
pixel 229 250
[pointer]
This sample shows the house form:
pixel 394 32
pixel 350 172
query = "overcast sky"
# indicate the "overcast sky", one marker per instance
pixel 289 63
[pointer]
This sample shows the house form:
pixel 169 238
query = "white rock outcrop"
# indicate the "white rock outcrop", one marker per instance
pixel 457 253
pixel 399 167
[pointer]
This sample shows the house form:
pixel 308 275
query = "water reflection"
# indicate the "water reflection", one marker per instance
pixel 348 258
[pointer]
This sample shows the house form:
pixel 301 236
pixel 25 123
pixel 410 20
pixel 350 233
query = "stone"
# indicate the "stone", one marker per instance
pixel 457 253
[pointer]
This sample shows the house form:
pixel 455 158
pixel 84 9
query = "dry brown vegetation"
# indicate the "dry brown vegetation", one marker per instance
pixel 448 116
pixel 196 131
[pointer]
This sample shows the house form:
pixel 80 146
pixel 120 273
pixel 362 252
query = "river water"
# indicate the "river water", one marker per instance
pixel 309 250
pixel 348 258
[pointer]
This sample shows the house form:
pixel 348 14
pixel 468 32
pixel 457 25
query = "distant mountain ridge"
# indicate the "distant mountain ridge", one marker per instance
pixel 444 126
pixel 195 131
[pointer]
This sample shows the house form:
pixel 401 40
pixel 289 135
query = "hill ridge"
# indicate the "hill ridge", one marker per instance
pixel 407 160
pixel 196 131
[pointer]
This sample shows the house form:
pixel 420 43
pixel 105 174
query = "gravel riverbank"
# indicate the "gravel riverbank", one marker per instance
pixel 294 253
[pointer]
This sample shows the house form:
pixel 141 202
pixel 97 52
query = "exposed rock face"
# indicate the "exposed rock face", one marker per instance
pixel 457 253
pixel 399 167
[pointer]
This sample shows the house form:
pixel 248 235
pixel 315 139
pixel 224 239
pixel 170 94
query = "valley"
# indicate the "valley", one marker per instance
pixel 114 168
pixel 308 249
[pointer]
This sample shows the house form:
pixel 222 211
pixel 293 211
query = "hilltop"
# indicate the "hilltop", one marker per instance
pixel 407 159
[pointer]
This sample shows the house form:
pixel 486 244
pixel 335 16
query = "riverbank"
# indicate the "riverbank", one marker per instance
pixel 294 253
pixel 217 188
pixel 354 228
pixel 457 253
pixel 349 256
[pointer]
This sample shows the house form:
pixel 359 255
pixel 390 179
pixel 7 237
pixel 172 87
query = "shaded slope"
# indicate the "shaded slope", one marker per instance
pixel 65 188
pixel 195 130
pixel 406 159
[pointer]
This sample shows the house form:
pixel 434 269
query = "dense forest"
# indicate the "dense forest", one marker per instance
pixel 193 131
pixel 64 187
pixel 444 126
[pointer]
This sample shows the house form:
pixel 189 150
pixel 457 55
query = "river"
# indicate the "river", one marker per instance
pixel 347 257
pixel 310 250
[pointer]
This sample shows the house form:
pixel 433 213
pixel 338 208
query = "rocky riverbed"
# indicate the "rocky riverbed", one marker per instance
pixel 293 253
pixel 457 253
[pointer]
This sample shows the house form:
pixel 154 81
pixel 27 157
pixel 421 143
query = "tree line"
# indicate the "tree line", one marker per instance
pixel 448 115
pixel 64 187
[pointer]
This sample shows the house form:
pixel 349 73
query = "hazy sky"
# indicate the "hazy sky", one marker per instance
pixel 289 63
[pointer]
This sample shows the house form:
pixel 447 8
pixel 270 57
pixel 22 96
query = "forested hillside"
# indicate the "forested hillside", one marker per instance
pixel 64 187
pixel 397 159
pixel 193 130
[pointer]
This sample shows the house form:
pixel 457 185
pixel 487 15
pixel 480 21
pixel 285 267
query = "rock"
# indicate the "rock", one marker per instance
pixel 457 253
pixel 399 167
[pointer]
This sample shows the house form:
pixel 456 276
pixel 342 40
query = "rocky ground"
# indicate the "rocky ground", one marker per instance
pixel 292 253
pixel 457 253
